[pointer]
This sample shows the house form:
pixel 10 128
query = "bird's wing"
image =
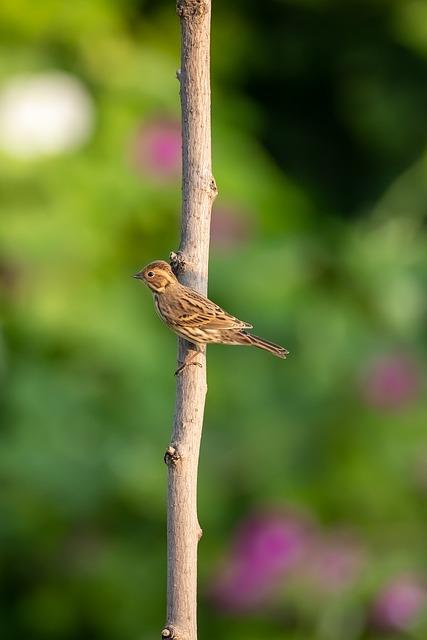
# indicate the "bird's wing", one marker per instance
pixel 194 310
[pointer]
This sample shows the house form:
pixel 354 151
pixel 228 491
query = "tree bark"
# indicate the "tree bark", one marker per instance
pixel 191 266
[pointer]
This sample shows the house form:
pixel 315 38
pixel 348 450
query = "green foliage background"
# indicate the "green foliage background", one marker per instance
pixel 319 125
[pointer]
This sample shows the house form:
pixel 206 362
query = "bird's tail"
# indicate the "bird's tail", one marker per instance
pixel 275 349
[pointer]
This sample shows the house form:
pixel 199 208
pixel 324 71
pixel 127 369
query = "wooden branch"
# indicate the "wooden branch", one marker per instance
pixel 191 266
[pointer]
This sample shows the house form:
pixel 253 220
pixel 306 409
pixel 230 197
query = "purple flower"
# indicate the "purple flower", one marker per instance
pixel 157 149
pixel 266 547
pixel 391 382
pixel 400 603
pixel 334 562
pixel 229 228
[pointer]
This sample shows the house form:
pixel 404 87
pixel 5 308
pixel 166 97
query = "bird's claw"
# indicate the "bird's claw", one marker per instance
pixel 187 364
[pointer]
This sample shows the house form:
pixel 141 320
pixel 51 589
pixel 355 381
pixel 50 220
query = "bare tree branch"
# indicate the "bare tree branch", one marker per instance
pixel 191 265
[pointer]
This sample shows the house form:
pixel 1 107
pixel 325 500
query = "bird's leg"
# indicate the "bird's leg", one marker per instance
pixel 190 358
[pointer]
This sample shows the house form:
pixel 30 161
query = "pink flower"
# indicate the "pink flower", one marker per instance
pixel 400 603
pixel 229 227
pixel 157 149
pixel 391 382
pixel 334 562
pixel 266 547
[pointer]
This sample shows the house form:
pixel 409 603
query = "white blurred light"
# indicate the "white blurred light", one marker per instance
pixel 44 114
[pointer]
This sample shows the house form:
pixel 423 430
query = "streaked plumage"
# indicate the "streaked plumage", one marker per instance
pixel 193 316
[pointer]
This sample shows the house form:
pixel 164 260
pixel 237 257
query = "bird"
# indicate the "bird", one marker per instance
pixel 194 317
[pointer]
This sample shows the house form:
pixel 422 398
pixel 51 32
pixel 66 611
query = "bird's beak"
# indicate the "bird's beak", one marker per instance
pixel 138 275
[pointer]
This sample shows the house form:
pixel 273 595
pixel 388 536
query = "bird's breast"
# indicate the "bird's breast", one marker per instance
pixel 158 307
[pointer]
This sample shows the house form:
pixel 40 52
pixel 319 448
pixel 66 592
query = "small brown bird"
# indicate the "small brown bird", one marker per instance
pixel 194 317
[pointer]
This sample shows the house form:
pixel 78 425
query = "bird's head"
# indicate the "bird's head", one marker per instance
pixel 157 276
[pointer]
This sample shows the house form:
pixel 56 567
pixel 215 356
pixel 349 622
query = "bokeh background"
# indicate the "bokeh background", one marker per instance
pixel 313 474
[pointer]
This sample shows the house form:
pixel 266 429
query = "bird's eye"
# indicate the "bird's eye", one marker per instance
pixel 150 274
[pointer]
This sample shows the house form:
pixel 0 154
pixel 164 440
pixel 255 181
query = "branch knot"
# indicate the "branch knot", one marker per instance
pixel 177 262
pixel 187 9
pixel 213 188
pixel 171 456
